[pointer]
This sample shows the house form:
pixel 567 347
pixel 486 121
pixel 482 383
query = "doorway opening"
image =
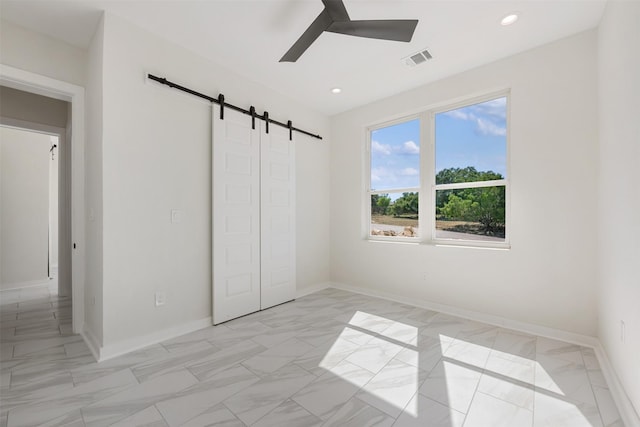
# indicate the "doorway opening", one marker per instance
pixel 71 138
pixel 30 211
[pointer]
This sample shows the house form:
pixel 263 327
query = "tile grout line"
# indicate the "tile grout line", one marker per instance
pixel 593 393
pixel 161 414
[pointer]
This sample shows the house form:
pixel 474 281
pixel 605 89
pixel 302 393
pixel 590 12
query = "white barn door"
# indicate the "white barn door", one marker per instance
pixel 278 228
pixel 236 216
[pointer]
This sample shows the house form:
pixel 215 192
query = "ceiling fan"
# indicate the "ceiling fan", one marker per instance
pixel 335 19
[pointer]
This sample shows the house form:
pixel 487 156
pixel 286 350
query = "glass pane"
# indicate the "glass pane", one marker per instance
pixel 395 156
pixel 471 143
pixel 394 214
pixel 471 214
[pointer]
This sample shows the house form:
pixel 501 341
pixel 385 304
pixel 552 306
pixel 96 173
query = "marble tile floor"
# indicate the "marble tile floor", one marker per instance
pixel 332 358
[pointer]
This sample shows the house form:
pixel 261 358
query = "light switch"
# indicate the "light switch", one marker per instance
pixel 161 298
pixel 176 216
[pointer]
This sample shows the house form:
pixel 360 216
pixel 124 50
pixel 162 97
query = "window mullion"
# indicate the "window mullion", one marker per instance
pixel 471 184
pixel 395 190
pixel 427 166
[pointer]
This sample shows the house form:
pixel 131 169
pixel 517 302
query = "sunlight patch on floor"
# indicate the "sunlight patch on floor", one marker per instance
pixel 453 370
pixel 380 339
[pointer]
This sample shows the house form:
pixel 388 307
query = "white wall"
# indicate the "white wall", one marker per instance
pixel 27 50
pixel 65 249
pixel 29 107
pixel 548 276
pixel 24 207
pixel 619 195
pixel 53 204
pixel 93 190
pixel 156 157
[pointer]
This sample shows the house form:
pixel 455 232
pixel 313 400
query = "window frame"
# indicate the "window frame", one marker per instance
pixel 369 192
pixel 427 189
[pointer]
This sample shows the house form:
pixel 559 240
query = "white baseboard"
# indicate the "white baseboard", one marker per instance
pixel 503 322
pixel 110 351
pixel 622 401
pixel 117 349
pixel 92 342
pixel 625 407
pixel 312 289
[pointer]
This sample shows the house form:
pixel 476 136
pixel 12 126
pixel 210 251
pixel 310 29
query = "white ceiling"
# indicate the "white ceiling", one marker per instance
pixel 250 37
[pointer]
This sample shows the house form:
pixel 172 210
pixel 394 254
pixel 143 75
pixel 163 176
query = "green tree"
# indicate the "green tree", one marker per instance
pixel 407 204
pixel 483 205
pixel 383 204
pixel 459 209
pixel 488 208
pixel 457 175
pixel 380 204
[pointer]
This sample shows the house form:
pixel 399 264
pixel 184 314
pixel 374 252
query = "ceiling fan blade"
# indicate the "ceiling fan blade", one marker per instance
pixel 336 9
pixel 317 27
pixel 391 29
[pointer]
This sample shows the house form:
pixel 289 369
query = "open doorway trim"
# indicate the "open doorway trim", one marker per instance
pixel 46 86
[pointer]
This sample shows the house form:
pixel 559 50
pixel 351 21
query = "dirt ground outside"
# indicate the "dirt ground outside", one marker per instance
pixel 391 220
pixel 413 222
pixel 385 222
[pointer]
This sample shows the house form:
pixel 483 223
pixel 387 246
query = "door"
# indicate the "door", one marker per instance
pixel 278 228
pixel 236 216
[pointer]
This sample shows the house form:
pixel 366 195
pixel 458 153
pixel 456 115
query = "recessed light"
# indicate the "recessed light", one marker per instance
pixel 509 19
pixel 336 90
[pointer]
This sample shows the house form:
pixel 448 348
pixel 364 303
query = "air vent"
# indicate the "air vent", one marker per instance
pixel 418 58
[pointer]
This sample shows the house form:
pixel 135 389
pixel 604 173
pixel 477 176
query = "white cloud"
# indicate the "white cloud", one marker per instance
pixel 489 117
pixel 495 108
pixel 382 175
pixel 409 172
pixel 487 127
pixel 410 147
pixel 376 147
pixel 458 114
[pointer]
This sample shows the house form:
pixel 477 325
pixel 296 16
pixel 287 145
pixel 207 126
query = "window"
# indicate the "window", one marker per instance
pixel 395 180
pixel 460 181
pixel 471 171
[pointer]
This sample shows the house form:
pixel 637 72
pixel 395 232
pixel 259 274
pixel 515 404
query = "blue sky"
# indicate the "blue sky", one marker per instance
pixel 470 136
pixel 395 156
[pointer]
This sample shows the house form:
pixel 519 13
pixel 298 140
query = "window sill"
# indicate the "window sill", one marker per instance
pixel 443 243
pixel 470 244
pixel 396 240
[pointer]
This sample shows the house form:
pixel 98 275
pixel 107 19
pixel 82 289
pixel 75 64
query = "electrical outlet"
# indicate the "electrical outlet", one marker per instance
pixel 622 332
pixel 176 216
pixel 425 276
pixel 161 298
